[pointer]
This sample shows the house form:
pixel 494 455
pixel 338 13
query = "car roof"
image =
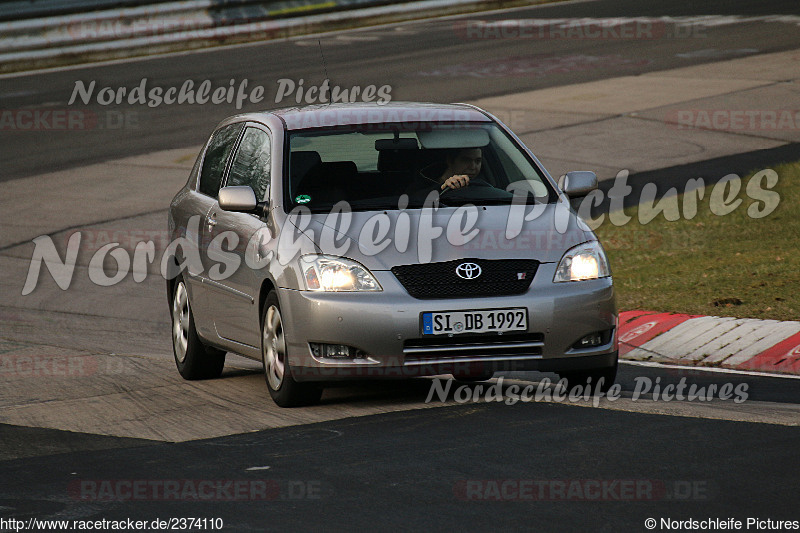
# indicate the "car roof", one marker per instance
pixel 332 115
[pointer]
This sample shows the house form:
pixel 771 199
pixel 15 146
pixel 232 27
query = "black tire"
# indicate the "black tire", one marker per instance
pixel 193 359
pixel 284 390
pixel 607 375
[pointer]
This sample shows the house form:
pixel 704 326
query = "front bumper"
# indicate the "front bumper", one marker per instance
pixel 386 329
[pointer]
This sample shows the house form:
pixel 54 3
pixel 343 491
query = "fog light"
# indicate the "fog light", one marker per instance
pixel 334 351
pixel 591 340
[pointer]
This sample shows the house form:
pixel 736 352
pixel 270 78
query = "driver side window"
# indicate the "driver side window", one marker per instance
pixel 216 158
pixel 251 165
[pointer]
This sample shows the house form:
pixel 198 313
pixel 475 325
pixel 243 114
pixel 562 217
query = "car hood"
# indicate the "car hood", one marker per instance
pixel 381 240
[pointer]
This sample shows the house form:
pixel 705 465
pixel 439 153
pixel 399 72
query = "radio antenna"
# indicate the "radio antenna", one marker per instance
pixel 324 65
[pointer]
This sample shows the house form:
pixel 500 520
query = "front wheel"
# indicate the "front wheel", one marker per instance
pixel 193 359
pixel 284 390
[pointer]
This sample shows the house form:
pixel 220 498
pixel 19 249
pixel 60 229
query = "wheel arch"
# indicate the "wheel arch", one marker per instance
pixel 267 286
pixel 171 281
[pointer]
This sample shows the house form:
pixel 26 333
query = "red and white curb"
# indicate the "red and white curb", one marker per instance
pixel 736 343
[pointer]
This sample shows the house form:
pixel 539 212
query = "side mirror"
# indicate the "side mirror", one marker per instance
pixel 578 183
pixel 237 198
pixel 240 198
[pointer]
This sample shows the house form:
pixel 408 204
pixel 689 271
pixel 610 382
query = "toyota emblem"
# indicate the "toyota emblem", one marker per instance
pixel 468 270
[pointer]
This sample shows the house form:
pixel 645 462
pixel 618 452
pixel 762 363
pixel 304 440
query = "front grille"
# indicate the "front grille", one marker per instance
pixel 439 280
pixel 508 346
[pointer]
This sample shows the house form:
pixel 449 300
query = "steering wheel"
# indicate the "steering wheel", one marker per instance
pixel 446 190
pixel 473 184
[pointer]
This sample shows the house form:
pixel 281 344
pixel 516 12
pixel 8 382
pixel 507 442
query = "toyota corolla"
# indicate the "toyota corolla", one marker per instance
pixel 360 241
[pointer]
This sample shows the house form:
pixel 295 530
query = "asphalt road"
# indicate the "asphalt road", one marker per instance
pixel 548 465
pixel 419 468
pixel 462 467
pixel 433 61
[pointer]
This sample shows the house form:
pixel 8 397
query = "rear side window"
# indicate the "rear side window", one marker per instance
pixel 216 158
pixel 251 163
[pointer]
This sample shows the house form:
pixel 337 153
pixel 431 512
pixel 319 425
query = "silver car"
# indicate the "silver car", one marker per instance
pixel 359 241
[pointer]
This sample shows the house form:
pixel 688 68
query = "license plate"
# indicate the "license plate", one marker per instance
pixel 478 321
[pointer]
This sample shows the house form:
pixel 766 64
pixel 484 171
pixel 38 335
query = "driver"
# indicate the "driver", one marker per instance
pixel 462 166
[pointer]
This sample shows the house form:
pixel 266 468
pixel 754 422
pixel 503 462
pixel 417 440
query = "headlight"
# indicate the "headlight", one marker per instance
pixel 335 274
pixel 585 261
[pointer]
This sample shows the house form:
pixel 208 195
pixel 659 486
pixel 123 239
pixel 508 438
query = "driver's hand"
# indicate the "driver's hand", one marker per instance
pixel 456 182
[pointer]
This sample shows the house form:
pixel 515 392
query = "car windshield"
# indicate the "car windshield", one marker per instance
pixel 382 166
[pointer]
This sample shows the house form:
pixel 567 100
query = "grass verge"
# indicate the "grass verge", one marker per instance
pixel 725 261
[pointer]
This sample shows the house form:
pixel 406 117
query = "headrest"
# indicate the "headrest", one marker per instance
pixel 302 162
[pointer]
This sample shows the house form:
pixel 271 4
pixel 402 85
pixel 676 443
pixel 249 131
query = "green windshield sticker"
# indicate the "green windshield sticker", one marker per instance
pixel 302 199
